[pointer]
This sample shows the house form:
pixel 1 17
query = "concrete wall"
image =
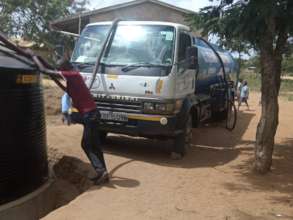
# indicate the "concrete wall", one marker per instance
pixel 146 11
pixel 32 206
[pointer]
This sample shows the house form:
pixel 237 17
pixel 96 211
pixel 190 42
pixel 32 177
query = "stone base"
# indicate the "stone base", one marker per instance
pixel 32 206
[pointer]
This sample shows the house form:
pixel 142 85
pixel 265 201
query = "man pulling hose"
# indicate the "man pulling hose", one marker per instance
pixel 89 117
pixel 82 100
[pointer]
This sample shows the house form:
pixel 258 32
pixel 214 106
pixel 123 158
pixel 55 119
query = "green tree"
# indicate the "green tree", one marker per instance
pixel 253 62
pixel 78 6
pixel 31 19
pixel 288 65
pixel 288 60
pixel 236 46
pixel 266 26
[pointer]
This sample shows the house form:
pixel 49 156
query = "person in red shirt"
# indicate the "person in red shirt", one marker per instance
pixel 88 116
pixel 82 100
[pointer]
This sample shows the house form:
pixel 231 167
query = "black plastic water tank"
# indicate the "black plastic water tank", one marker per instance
pixel 23 150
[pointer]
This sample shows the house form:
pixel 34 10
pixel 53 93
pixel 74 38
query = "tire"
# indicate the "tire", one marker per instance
pixel 231 116
pixel 183 141
pixel 103 137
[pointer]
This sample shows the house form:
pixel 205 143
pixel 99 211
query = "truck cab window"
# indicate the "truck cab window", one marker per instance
pixel 184 42
pixel 89 44
pixel 141 44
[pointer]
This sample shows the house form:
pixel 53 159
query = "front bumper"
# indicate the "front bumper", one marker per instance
pixel 144 125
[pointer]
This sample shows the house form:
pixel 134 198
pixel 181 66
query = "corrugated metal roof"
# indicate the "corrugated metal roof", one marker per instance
pixel 143 23
pixel 118 6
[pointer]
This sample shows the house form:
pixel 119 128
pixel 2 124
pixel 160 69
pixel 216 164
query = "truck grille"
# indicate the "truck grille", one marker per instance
pixel 119 105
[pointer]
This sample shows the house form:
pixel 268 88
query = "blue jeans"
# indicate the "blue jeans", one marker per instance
pixel 90 142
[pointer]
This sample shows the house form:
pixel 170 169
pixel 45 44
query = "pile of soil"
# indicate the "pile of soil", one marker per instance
pixel 71 177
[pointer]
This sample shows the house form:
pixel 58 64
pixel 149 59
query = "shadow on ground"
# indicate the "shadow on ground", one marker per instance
pixel 212 145
pixel 73 178
pixel 280 179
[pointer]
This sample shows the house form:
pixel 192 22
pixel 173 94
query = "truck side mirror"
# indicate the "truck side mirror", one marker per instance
pixel 192 57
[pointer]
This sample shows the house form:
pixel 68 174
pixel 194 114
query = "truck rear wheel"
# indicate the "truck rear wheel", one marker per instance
pixel 231 116
pixel 183 141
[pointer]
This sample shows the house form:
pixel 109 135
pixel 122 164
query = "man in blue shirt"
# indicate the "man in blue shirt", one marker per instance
pixel 244 94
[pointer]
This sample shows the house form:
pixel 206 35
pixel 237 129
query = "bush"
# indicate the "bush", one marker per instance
pixel 254 82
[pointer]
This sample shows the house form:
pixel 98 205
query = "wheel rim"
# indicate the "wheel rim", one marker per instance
pixel 231 117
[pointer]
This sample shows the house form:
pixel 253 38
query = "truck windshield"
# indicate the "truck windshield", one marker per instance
pixel 141 44
pixel 90 44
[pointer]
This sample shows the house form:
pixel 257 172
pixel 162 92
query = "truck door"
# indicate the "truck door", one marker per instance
pixel 185 76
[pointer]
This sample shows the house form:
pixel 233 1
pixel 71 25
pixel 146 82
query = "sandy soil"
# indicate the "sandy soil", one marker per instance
pixel 214 181
pixel 287 77
pixel 52 95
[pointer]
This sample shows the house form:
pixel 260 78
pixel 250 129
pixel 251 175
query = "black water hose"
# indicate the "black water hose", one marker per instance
pixel 107 42
pixel 12 46
pixel 42 65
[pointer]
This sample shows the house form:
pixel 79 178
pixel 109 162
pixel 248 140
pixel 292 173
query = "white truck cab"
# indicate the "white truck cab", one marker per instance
pixel 149 76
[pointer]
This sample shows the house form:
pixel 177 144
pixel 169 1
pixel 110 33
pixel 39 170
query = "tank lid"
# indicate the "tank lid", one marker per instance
pixel 10 62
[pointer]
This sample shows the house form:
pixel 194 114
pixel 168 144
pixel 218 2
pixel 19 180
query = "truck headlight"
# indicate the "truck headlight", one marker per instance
pixel 162 107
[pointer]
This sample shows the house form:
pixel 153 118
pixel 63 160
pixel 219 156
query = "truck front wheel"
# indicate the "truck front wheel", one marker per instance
pixel 182 142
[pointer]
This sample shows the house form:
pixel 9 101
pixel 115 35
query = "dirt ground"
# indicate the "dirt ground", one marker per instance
pixel 214 181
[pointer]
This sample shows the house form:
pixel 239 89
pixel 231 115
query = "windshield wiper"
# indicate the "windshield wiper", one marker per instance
pixel 138 65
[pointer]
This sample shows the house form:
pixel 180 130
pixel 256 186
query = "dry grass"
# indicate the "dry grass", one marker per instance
pixel 254 83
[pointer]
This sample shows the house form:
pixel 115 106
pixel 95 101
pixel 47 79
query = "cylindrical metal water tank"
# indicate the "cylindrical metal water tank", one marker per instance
pixel 23 153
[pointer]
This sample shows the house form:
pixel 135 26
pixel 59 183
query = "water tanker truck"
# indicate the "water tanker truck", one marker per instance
pixel 154 79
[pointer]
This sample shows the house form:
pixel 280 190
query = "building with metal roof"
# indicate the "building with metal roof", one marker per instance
pixel 140 10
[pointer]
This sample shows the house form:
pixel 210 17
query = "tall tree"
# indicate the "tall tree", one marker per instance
pixel 78 6
pixel 267 26
pixel 31 18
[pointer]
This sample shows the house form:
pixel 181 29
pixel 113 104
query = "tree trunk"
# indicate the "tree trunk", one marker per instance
pixel 267 127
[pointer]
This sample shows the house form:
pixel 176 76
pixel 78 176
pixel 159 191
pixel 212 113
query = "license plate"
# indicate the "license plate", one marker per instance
pixel 114 116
